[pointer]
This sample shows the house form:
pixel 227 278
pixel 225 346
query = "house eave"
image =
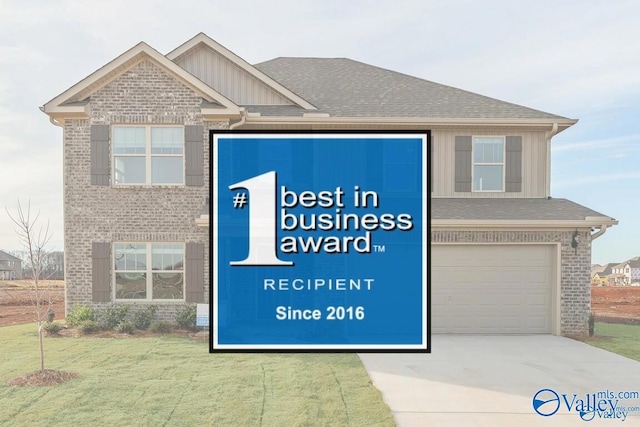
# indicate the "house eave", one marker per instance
pixel 220 113
pixel 61 112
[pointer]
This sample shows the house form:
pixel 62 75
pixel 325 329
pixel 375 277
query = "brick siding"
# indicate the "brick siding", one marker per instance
pixel 145 94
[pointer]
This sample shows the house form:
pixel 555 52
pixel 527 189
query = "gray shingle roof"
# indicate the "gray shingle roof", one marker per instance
pixel 509 209
pixel 348 88
pixel 8 257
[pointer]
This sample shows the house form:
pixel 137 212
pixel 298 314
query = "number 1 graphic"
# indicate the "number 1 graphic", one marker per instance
pixel 262 220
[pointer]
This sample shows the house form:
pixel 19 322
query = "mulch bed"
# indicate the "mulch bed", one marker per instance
pixel 48 377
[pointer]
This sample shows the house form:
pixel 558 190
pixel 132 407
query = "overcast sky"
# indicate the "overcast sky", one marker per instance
pixel 578 59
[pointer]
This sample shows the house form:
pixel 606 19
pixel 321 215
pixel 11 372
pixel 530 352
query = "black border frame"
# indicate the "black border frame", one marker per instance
pixel 427 260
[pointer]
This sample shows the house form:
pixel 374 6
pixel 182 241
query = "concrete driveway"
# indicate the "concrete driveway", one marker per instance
pixel 491 381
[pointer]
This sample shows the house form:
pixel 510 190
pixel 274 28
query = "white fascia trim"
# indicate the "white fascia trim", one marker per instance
pixel 406 121
pixel 141 49
pixel 588 222
pixel 208 41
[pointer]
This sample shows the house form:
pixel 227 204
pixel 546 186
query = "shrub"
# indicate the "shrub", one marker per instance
pixel 143 318
pixel 125 327
pixel 88 326
pixel 80 313
pixel 160 327
pixel 112 316
pixel 592 324
pixel 51 328
pixel 186 317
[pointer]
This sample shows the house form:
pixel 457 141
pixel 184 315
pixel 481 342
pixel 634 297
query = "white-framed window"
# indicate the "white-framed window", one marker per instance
pixel 148 271
pixel 148 155
pixel 488 163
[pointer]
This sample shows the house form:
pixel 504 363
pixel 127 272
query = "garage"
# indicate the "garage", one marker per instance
pixel 492 289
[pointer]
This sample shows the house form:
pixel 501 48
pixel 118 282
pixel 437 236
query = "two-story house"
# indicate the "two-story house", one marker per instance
pixel 625 273
pixel 10 267
pixel 506 257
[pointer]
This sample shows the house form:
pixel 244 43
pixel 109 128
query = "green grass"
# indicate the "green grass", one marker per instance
pixel 618 338
pixel 172 381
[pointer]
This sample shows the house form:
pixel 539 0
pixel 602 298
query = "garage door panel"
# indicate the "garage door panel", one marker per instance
pixel 491 288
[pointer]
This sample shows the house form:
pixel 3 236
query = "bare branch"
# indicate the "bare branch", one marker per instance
pixel 34 241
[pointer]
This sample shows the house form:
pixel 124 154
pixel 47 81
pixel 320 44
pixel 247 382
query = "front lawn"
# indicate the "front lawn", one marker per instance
pixel 172 381
pixel 618 338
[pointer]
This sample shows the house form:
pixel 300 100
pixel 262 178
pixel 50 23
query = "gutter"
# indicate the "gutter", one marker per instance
pixel 588 222
pixel 405 121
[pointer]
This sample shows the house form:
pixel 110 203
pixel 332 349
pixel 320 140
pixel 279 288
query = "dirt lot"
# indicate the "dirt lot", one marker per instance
pixel 616 303
pixel 16 300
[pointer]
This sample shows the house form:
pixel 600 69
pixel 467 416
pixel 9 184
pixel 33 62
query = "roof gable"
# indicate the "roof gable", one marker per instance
pixel 73 100
pixel 231 75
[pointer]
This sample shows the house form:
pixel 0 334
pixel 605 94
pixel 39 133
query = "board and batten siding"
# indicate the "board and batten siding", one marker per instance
pixel 229 79
pixel 533 163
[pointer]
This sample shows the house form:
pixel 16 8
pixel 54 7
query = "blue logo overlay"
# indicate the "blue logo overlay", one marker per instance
pixel 604 404
pixel 319 241
pixel 546 402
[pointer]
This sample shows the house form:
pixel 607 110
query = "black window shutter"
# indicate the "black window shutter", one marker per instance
pixel 194 155
pixel 99 154
pixel 194 272
pixel 463 163
pixel 100 272
pixel 513 164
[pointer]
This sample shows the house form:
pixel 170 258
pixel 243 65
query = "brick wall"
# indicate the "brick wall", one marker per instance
pixel 575 289
pixel 143 95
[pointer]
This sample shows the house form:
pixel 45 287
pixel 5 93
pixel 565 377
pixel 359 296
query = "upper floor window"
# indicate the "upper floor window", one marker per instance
pixel 148 155
pixel 488 163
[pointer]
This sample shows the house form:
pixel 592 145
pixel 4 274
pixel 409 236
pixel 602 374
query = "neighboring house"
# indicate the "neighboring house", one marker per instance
pixel 634 271
pixel 618 275
pixel 625 273
pixel 505 257
pixel 600 274
pixel 10 267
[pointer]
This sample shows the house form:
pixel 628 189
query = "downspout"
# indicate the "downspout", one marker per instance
pixel 51 119
pixel 243 119
pixel 602 229
pixel 55 122
pixel 548 135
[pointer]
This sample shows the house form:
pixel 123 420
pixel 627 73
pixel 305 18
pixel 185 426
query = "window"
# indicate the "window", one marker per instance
pixel 488 163
pixel 151 271
pixel 148 155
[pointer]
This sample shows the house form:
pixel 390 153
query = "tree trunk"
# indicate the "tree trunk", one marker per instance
pixel 41 346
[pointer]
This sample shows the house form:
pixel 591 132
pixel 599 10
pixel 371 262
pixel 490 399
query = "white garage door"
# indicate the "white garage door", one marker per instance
pixel 491 289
